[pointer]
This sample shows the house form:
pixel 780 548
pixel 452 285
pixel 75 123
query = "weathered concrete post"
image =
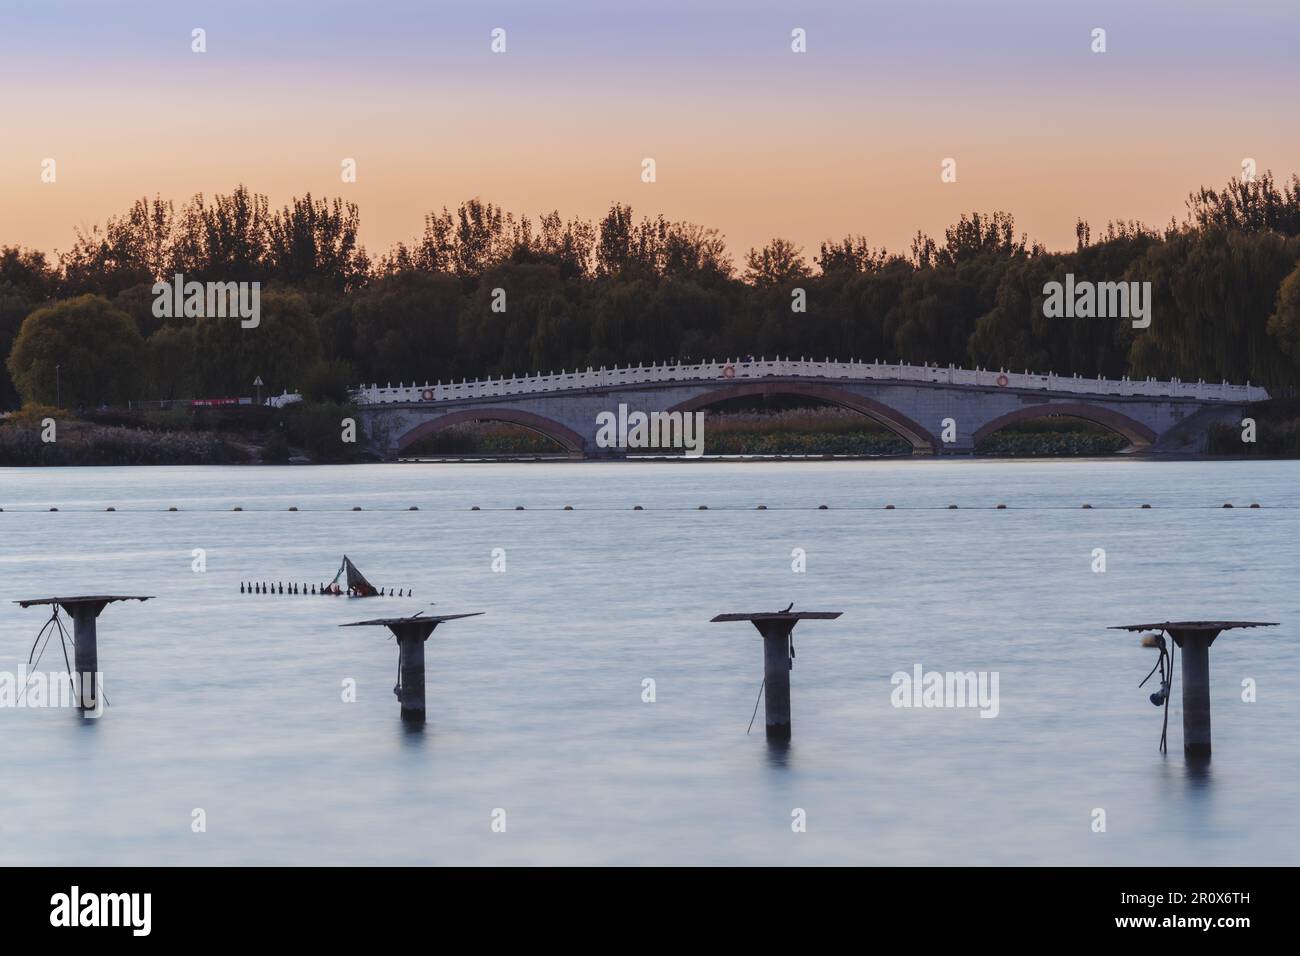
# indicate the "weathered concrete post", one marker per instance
pixel 86 639
pixel 777 665
pixel 1194 638
pixel 777 628
pixel 410 634
pixel 84 612
pixel 1195 646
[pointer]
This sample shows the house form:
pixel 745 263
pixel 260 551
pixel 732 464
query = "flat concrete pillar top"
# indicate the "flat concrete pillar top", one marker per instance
pixel 786 615
pixel 68 603
pixel 1181 629
pixel 414 621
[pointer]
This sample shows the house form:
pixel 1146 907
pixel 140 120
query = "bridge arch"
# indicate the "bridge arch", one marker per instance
pixel 923 442
pixel 570 440
pixel 1137 433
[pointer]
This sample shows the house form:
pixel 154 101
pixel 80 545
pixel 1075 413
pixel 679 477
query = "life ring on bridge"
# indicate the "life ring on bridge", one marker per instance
pixel 427 395
pixel 728 371
pixel 1002 380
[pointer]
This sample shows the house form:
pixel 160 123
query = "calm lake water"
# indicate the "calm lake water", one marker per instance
pixel 233 703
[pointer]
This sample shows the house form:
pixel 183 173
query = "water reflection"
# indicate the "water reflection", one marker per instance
pixel 778 754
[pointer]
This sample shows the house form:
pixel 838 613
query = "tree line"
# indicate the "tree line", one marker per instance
pixel 485 292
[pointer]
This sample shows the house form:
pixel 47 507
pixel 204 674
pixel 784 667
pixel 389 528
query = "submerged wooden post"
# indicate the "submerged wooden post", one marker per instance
pixel 1193 639
pixel 84 612
pixel 410 634
pixel 777 628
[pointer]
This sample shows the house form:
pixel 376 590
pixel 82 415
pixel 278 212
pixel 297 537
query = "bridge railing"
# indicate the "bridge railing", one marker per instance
pixel 723 371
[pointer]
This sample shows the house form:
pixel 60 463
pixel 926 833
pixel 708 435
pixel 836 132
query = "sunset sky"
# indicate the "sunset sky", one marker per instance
pixel 747 136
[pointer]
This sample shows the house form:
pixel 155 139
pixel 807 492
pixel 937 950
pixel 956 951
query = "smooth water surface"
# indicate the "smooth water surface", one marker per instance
pixel 233 703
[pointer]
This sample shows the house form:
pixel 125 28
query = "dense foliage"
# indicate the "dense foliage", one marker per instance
pixel 482 292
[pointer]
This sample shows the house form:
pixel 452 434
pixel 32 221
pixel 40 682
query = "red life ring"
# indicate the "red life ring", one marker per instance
pixel 728 371
pixel 427 395
pixel 1002 380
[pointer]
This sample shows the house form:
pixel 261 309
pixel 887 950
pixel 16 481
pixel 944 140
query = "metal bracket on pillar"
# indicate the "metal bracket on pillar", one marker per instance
pixel 410 634
pixel 1193 639
pixel 84 611
pixel 777 629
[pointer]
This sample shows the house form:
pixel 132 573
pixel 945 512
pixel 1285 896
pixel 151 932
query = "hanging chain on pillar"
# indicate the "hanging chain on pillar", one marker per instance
pixel 1165 664
pixel 791 649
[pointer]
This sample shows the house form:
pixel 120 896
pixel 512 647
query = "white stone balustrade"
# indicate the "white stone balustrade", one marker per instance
pixel 723 371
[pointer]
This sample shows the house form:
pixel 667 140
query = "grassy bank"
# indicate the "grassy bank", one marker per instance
pixel 306 432
pixel 73 442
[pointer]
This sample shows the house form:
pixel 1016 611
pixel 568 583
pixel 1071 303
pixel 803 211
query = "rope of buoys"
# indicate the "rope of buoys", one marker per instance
pixel 763 507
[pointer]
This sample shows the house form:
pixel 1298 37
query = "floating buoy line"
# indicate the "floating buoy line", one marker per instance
pixel 636 507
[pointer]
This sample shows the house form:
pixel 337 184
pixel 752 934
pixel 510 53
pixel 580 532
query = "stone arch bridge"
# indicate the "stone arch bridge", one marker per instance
pixel 937 410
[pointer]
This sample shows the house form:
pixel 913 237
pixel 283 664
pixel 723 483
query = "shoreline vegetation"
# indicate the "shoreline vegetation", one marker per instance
pixel 484 292
pixel 306 435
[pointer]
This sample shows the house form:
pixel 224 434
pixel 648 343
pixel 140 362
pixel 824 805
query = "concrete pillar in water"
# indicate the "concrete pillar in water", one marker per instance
pixel 410 634
pixel 410 667
pixel 84 612
pixel 776 627
pixel 87 652
pixel 1192 640
pixel 776 677
pixel 1195 647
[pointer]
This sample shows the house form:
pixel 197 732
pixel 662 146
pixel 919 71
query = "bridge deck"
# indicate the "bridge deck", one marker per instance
pixel 593 379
